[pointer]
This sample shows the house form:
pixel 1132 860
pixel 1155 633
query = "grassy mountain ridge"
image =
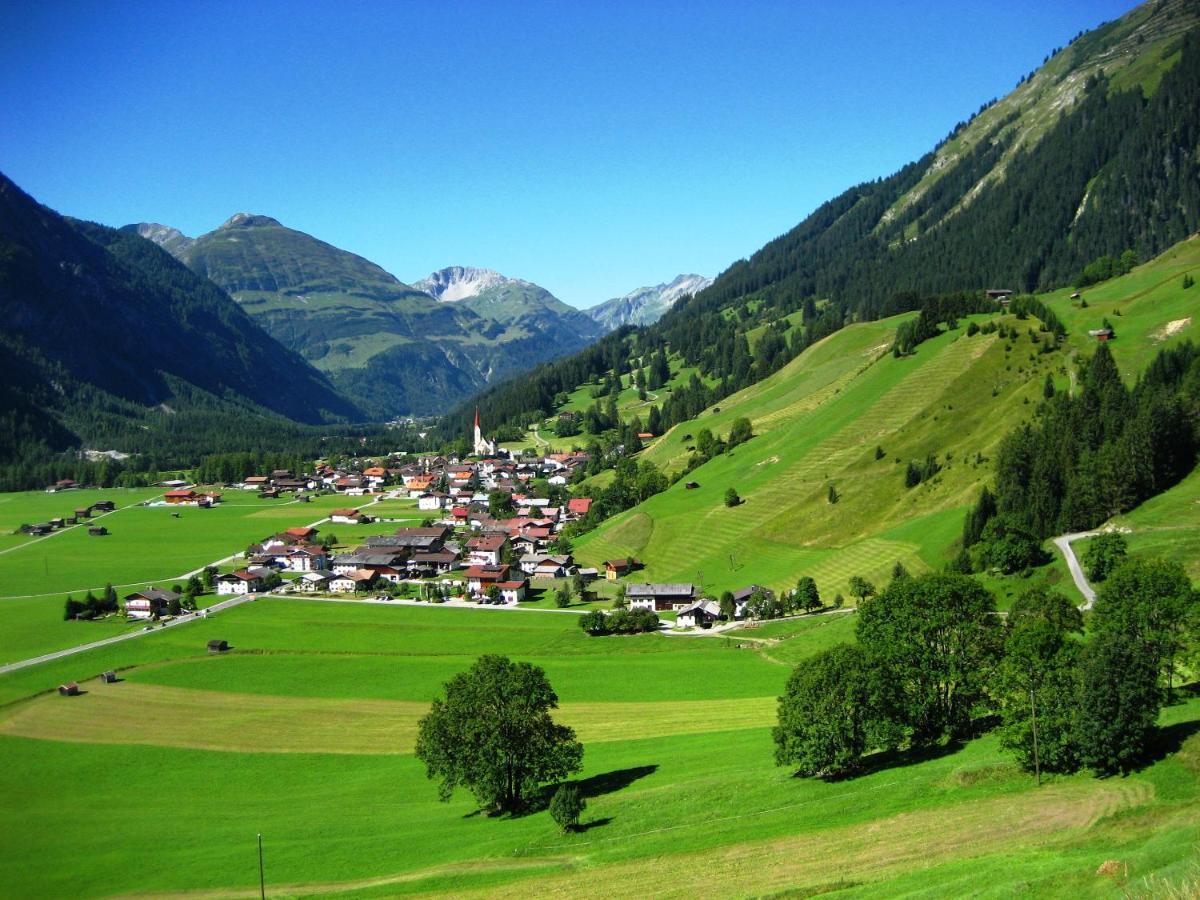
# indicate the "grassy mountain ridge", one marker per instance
pixel 392 347
pixel 103 329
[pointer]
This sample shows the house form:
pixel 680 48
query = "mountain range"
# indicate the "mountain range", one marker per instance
pixel 391 347
pixel 105 332
pixel 646 305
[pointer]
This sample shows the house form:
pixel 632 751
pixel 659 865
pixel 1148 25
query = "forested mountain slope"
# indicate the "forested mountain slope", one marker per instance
pixel 1093 155
pixel 826 481
pixel 105 332
pixel 393 348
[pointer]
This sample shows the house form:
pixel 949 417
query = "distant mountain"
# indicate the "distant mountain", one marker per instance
pixel 392 347
pixel 101 328
pixel 646 305
pixel 461 282
pixel 517 306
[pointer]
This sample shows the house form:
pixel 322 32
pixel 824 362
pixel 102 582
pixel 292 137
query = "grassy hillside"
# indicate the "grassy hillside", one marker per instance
pixel 819 421
pixel 314 709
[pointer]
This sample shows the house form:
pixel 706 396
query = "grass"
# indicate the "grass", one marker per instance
pixel 146 545
pixel 315 710
pixel 820 420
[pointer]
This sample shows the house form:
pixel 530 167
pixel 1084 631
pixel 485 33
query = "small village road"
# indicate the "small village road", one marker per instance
pixel 1063 542
pixel 129 635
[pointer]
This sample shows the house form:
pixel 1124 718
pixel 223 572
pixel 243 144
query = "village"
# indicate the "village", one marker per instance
pixel 491 533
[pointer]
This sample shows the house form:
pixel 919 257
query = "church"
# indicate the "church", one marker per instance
pixel 483 447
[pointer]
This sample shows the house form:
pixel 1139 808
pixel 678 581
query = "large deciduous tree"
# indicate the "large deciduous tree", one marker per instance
pixel 828 715
pixel 936 639
pixel 1037 680
pixel 493 734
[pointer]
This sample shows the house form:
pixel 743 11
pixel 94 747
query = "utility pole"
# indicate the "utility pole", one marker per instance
pixel 1037 765
pixel 262 884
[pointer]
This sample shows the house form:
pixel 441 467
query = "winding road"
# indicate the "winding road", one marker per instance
pixel 1063 542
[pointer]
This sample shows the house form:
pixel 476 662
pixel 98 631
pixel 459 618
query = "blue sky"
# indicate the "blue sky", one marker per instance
pixel 590 147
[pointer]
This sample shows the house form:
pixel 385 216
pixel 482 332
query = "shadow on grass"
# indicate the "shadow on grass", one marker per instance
pixel 893 759
pixel 595 823
pixel 1168 740
pixel 596 786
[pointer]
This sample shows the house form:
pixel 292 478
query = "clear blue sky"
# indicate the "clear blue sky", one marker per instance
pixel 590 147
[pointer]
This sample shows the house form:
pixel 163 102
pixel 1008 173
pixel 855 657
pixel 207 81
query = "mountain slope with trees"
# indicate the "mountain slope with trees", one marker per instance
pixel 392 347
pixel 1015 198
pixel 112 343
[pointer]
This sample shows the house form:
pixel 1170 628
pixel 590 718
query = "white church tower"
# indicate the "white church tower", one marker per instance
pixel 483 447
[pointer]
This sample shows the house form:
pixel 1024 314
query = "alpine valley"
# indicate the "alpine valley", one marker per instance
pixel 866 568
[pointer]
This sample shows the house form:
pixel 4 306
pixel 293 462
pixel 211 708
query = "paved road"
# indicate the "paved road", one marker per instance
pixel 1064 544
pixel 129 635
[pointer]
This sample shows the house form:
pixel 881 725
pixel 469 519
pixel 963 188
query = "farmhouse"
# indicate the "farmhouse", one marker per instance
pixel 742 597
pixel 359 579
pixel 349 517
pixel 698 615
pixel 313 582
pixel 182 496
pixel 512 592
pixel 486 549
pixel 243 581
pixel 660 597
pixel 480 578
pixel 148 603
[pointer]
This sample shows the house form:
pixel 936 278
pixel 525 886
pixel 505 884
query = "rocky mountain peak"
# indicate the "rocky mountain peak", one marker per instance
pixel 462 282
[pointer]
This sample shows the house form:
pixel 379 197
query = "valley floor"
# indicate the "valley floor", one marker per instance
pixel 304 732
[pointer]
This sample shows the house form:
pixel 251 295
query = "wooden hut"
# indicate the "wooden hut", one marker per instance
pixel 83 512
pixel 217 646
pixel 97 531
pixel 108 677
pixel 70 689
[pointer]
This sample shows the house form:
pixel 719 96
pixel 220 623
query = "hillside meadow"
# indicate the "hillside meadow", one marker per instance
pixel 304 731
pixel 847 414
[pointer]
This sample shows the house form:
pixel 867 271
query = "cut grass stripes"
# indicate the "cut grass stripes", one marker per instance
pixel 148 714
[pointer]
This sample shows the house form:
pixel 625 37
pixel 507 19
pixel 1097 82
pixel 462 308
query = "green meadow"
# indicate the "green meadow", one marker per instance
pixel 145 545
pixel 304 731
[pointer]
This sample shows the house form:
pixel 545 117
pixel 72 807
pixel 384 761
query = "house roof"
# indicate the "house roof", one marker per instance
pixel 580 505
pixel 487 572
pixel 153 594
pixel 347 513
pixel 673 589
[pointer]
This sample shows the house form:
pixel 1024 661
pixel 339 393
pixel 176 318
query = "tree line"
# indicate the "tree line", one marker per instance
pixel 933 660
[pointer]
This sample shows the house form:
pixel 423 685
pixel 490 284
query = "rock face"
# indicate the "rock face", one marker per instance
pixel 170 239
pixel 646 305
pixel 462 282
pixel 395 349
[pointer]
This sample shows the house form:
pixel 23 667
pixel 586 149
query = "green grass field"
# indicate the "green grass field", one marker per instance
pixel 146 545
pixel 304 733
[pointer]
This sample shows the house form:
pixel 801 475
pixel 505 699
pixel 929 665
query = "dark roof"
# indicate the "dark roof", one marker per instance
pixel 674 589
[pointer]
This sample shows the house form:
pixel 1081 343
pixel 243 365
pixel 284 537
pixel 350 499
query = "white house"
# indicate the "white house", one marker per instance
pixel 512 592
pixel 431 501
pixel 243 581
pixel 704 612
pixel 313 582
